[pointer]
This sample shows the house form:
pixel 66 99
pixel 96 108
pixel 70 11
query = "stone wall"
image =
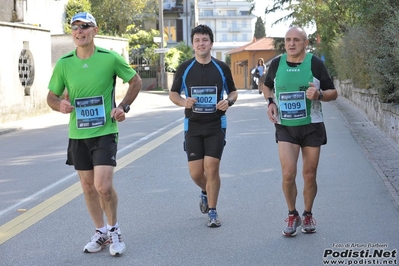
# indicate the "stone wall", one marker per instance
pixel 63 43
pixel 25 70
pixel 384 115
pixel 27 58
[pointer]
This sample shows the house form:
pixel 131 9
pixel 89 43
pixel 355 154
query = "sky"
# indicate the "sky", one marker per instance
pixel 279 29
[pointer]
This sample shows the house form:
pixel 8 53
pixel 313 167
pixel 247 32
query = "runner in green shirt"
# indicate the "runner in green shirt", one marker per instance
pixel 83 85
pixel 296 84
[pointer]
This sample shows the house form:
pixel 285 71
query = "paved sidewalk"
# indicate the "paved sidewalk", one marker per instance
pixel 381 151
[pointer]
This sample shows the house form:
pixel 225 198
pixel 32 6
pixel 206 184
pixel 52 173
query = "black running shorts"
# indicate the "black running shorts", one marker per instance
pixel 84 154
pixel 199 143
pixel 313 135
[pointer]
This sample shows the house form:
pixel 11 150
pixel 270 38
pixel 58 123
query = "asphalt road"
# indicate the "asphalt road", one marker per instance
pixel 356 208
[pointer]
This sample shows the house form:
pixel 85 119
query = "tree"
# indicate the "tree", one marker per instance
pixel 357 38
pixel 177 55
pixel 186 52
pixel 252 6
pixel 331 19
pixel 260 31
pixel 113 16
pixel 172 59
pixel 141 44
pixel 73 7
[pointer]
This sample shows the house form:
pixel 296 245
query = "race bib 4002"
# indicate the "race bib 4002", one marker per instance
pixel 206 97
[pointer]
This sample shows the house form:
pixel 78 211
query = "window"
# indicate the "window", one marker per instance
pixel 234 24
pixel 231 13
pixel 208 13
pixel 224 24
pixel 170 30
pixel 224 37
pixel 234 37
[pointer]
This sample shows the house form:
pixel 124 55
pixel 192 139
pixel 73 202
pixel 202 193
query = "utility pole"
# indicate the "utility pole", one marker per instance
pixel 161 56
pixel 196 19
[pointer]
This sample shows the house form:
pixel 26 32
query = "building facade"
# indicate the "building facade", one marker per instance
pixel 230 20
pixel 245 58
pixel 179 17
pixel 46 14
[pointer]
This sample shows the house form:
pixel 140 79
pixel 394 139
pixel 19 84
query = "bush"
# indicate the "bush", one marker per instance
pixel 370 58
pixel 368 53
pixel 351 57
pixel 385 63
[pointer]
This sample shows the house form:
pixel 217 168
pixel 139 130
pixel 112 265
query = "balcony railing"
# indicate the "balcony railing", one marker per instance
pixel 213 14
pixel 234 29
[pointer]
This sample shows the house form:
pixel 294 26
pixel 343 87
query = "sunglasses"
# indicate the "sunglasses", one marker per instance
pixel 82 26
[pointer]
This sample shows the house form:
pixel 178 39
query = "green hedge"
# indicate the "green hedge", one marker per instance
pixel 369 56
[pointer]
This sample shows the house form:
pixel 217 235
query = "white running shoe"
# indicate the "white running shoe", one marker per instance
pixel 117 247
pixel 98 241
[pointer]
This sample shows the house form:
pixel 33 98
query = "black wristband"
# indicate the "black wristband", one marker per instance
pixel 270 100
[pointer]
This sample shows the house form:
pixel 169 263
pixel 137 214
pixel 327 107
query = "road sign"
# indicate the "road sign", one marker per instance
pixel 161 50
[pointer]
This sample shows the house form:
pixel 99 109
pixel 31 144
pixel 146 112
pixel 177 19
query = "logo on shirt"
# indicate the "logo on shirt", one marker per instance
pixel 85 66
pixel 293 70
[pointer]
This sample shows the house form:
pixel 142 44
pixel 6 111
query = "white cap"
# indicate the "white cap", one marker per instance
pixel 84 17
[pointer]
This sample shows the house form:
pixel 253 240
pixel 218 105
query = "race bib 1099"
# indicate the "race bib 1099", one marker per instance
pixel 292 105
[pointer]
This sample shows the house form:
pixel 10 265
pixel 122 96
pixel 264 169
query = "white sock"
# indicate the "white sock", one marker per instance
pixel 103 229
pixel 109 227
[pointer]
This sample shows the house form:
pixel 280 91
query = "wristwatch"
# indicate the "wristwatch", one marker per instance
pixel 126 108
pixel 320 95
pixel 231 102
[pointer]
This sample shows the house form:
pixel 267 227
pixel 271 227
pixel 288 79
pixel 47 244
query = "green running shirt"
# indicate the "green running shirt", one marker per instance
pixel 290 85
pixel 90 84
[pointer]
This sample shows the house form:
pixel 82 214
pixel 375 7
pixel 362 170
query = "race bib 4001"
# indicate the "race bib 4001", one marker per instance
pixel 90 112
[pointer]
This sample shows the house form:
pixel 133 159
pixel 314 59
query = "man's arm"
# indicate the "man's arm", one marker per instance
pixel 57 104
pixel 223 105
pixel 322 95
pixel 135 85
pixel 267 93
pixel 271 105
pixel 328 95
pixel 232 96
pixel 176 98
